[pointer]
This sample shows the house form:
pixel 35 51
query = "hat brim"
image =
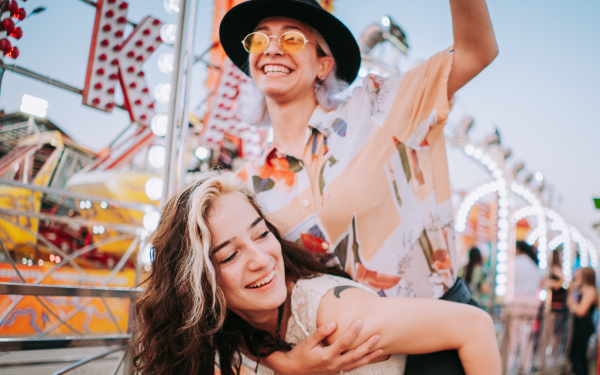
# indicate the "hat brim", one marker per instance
pixel 241 20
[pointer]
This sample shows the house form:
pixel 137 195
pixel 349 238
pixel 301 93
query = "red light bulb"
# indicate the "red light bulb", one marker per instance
pixel 96 101
pixel 123 6
pixel 5 45
pixel 110 105
pixel 119 34
pixel 143 117
pixel 145 90
pixel 104 43
pixel 113 76
pixel 107 28
pixel 118 47
pixel 130 54
pixel 131 69
pixel 100 71
pixel 159 39
pixel 156 22
pixel 115 62
pixel 102 57
pixel 139 43
pixel 150 49
pixel 151 105
pixel 111 91
pixel 12 7
pixel 140 58
pixel 133 85
pixel 20 14
pixel 141 74
pixel 8 25
pixel 98 86
pixel 121 20
pixel 138 102
pixel 14 53
pixel 109 14
pixel 147 32
pixel 17 33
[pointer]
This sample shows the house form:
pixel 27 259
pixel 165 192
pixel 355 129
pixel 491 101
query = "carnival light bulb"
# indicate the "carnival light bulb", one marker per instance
pixel 12 6
pixel 162 92
pixel 8 25
pixel 17 33
pixel 154 188
pixel 165 62
pixel 5 45
pixel 20 14
pixel 156 156
pixel 159 125
pixel 171 6
pixel 13 53
pixel 168 32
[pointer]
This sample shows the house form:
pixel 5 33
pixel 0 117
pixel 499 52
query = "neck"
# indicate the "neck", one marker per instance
pixel 290 120
pixel 263 320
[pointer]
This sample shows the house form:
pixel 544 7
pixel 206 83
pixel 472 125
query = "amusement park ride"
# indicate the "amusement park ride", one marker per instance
pixel 69 216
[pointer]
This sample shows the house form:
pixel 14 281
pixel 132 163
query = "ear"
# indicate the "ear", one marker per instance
pixel 325 66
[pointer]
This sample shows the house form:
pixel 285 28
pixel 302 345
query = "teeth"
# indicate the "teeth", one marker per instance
pixel 275 69
pixel 263 281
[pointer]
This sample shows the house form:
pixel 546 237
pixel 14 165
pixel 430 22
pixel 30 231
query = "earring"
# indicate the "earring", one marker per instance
pixel 318 84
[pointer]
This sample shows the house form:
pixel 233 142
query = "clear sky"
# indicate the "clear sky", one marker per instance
pixel 542 92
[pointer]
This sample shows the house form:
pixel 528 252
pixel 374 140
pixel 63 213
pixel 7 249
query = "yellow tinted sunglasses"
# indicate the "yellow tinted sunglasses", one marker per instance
pixel 290 42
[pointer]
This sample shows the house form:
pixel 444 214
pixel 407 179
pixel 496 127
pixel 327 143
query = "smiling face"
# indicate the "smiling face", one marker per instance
pixel 249 256
pixel 284 76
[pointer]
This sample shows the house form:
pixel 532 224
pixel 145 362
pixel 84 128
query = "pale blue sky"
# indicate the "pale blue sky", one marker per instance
pixel 543 90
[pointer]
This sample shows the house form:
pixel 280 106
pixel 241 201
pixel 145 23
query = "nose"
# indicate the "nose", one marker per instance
pixel 273 48
pixel 258 259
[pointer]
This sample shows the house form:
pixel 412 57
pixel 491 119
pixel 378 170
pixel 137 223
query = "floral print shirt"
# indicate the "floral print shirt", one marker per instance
pixel 372 188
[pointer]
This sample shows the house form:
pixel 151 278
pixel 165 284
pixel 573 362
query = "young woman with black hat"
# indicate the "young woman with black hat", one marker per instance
pixel 364 179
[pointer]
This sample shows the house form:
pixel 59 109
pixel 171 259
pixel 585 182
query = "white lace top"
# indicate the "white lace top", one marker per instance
pixel 306 297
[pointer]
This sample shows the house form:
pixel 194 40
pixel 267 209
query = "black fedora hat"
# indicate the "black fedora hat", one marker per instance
pixel 241 20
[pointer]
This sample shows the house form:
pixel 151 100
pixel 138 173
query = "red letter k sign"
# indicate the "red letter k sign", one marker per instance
pixel 111 59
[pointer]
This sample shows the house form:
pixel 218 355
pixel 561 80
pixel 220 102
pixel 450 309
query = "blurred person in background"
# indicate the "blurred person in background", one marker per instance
pixel 559 293
pixel 528 281
pixel 475 276
pixel 582 301
pixel 528 276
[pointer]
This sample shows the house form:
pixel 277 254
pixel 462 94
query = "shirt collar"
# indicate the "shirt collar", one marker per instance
pixel 319 121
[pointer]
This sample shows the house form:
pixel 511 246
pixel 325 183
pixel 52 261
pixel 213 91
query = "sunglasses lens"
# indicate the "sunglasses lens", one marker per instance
pixel 256 43
pixel 292 41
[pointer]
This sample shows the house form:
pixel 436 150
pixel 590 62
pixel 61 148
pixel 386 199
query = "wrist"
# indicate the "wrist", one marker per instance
pixel 281 363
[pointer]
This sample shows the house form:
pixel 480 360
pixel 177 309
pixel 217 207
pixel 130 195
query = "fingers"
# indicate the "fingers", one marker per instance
pixel 320 334
pixel 364 360
pixel 343 342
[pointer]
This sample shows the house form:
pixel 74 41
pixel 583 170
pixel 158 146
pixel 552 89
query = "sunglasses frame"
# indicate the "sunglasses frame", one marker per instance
pixel 278 40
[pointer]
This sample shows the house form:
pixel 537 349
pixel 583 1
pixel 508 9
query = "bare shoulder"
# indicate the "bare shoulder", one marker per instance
pixel 344 304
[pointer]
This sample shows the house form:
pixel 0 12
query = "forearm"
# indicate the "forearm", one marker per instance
pixel 472 29
pixel 417 326
pixel 480 355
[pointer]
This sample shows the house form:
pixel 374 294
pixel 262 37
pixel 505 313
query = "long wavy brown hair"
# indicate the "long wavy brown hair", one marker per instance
pixel 182 321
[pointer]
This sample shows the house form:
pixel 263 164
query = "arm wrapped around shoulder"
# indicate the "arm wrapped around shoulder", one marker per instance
pixel 416 326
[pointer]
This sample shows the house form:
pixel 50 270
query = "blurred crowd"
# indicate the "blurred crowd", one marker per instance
pixel 577 300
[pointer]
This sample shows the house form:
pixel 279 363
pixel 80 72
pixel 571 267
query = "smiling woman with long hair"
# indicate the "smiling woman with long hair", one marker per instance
pixel 225 289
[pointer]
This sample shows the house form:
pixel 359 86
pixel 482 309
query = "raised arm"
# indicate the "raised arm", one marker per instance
pixel 416 326
pixel 474 42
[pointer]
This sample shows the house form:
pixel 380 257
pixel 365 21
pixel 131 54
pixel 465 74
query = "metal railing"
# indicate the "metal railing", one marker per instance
pixel 88 286
pixel 533 340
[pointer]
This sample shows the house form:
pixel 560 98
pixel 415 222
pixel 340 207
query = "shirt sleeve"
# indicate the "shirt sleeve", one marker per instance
pixel 421 101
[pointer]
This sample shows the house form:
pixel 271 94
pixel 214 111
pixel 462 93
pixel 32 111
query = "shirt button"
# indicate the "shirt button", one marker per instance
pixel 306 203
